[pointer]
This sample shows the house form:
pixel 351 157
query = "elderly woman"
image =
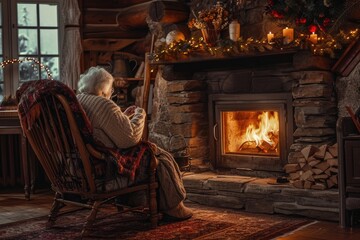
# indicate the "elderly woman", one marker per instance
pixel 115 128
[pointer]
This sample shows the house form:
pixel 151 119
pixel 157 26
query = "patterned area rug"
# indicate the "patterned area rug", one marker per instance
pixel 207 223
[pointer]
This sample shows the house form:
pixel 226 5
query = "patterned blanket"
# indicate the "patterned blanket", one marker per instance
pixel 32 93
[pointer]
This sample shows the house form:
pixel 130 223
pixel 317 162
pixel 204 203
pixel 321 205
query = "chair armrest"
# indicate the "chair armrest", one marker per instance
pixel 93 152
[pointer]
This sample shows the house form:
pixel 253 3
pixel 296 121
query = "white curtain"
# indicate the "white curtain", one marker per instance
pixel 71 43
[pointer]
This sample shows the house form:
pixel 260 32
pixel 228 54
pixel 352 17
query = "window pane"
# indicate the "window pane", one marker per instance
pixel 1 73
pixel 28 71
pixel 53 65
pixel 27 15
pixel 27 41
pixel 1 46
pixel 1 92
pixel 1 82
pixel 1 51
pixel 49 41
pixel 0 14
pixel 48 15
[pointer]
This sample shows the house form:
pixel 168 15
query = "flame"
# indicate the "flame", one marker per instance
pixel 268 126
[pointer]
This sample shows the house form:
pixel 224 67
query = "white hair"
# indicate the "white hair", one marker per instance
pixel 95 79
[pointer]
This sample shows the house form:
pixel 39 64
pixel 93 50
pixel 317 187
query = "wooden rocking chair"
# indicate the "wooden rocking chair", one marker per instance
pixel 69 164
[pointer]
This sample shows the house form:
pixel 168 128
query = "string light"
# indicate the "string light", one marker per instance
pixel 36 62
pixel 327 45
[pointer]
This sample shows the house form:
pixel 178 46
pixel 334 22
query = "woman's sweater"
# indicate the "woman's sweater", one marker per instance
pixel 111 126
pixel 114 129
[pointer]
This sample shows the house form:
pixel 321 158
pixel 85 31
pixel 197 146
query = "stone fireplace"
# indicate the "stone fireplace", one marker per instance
pixel 197 99
pixel 205 101
pixel 204 107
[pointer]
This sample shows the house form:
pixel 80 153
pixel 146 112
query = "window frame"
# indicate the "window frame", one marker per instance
pixel 10 40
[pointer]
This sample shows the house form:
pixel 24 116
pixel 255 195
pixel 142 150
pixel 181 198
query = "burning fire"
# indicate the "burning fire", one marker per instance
pixel 266 135
pixel 251 132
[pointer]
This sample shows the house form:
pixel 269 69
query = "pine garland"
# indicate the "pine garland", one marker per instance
pixel 328 45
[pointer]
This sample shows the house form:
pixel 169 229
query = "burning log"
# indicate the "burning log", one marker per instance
pixel 319 171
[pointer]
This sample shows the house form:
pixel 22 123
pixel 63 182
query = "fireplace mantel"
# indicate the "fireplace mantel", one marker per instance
pixel 246 60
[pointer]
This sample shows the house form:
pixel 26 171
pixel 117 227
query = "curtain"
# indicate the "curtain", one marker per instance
pixel 71 48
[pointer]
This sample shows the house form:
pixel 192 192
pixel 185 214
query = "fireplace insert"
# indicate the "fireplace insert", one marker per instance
pixel 250 131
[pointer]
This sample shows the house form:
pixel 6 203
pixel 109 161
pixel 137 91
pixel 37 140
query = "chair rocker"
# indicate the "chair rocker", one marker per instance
pixel 69 163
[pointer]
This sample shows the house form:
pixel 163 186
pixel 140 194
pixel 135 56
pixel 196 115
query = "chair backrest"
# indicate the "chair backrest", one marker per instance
pixel 56 140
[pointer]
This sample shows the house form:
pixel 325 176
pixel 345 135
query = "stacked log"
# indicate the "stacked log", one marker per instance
pixel 317 169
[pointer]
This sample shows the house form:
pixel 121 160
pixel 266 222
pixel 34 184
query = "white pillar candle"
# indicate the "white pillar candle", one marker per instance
pixel 234 30
pixel 270 36
pixel 288 34
pixel 313 38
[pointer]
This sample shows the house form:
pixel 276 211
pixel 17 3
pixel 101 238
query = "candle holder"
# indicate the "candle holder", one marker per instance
pixel 211 36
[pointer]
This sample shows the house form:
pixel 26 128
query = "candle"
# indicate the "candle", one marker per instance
pixel 270 36
pixel 234 30
pixel 288 34
pixel 313 38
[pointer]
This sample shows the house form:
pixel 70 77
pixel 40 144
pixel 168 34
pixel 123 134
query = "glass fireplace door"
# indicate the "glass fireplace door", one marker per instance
pixel 252 131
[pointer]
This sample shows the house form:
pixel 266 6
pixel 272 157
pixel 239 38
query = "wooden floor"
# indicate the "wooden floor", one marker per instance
pixel 14 207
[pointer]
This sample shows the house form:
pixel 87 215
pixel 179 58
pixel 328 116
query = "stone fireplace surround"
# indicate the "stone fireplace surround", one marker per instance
pixel 181 112
pixel 183 90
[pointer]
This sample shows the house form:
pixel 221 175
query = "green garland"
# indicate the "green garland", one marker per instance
pixel 329 45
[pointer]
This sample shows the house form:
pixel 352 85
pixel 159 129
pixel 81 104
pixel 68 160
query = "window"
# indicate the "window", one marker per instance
pixel 30 32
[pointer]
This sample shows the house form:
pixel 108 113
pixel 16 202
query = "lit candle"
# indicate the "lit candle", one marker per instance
pixel 313 38
pixel 270 36
pixel 288 34
pixel 234 30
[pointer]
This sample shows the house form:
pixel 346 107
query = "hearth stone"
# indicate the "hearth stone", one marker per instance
pixel 260 195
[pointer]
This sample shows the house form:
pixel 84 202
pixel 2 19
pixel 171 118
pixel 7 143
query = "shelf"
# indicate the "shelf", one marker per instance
pixel 130 79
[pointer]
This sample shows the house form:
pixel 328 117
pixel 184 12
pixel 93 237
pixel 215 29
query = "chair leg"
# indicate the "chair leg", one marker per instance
pixel 91 218
pixel 54 211
pixel 153 208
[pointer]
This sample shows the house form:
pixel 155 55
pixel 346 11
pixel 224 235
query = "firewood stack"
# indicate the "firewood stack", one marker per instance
pixel 318 169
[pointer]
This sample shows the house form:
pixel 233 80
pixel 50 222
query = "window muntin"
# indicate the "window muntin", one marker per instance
pixel 29 28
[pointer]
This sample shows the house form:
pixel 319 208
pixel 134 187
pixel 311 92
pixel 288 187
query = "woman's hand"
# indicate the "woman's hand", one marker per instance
pixel 130 111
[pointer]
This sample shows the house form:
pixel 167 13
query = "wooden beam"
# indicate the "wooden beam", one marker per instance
pixel 112 3
pixel 348 60
pixel 106 17
pixel 114 33
pixel 168 11
pixel 132 17
pixel 106 44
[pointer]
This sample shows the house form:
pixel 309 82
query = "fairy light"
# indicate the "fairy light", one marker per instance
pixel 7 62
pixel 327 45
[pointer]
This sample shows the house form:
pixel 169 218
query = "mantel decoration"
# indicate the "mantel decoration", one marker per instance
pixel 307 15
pixel 210 21
pixel 312 25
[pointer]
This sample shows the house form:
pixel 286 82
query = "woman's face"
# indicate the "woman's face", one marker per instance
pixel 108 90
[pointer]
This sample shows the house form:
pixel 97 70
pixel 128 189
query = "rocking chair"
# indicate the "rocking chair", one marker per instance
pixel 73 166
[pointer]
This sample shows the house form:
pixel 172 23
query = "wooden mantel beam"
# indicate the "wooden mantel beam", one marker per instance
pixel 112 3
